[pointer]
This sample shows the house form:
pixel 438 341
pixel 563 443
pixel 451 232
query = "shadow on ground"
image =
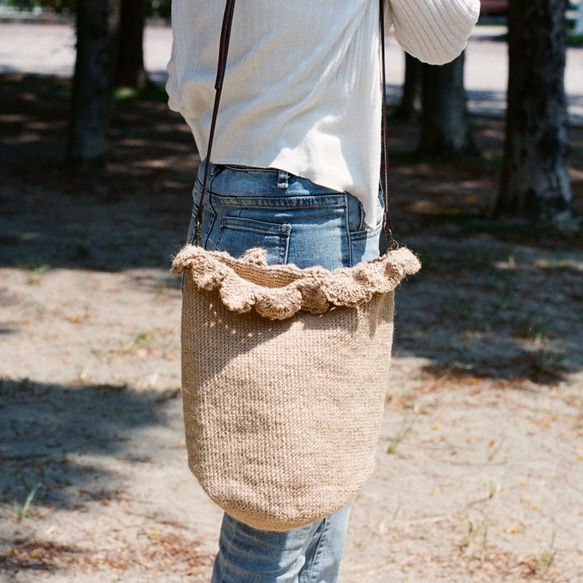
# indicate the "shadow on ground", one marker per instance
pixel 134 213
pixel 53 439
pixel 487 308
pixel 497 300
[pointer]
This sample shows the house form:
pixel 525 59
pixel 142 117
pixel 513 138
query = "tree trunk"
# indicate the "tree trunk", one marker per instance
pixel 445 124
pixel 130 63
pixel 92 87
pixel 535 180
pixel 409 105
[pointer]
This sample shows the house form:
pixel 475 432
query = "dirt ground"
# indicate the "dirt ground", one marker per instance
pixel 480 461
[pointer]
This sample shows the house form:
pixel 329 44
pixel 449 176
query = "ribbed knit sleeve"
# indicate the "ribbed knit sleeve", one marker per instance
pixel 434 31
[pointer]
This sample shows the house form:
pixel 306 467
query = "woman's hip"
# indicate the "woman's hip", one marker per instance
pixel 292 218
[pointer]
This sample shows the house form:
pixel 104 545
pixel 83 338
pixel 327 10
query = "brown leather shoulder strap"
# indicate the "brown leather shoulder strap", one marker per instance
pixel 222 65
pixel 387 221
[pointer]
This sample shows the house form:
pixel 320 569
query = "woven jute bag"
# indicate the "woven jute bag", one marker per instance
pixel 284 370
pixel 284 374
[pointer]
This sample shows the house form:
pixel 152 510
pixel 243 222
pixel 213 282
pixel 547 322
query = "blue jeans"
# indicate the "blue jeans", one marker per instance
pixel 295 220
pixel 299 222
pixel 309 554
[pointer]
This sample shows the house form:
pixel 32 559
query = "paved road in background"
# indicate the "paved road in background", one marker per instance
pixel 49 49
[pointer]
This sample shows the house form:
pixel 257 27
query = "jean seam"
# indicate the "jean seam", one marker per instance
pixel 285 247
pixel 254 225
pixel 209 203
pixel 286 201
pixel 347 229
pixel 313 574
pixel 362 224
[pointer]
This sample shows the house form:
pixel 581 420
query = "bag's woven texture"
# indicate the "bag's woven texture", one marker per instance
pixel 284 374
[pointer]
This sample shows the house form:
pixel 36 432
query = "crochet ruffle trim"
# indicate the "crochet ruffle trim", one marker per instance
pixel 278 292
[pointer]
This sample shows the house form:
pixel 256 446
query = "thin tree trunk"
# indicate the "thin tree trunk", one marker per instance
pixel 409 105
pixel 445 124
pixel 130 64
pixel 535 177
pixel 92 86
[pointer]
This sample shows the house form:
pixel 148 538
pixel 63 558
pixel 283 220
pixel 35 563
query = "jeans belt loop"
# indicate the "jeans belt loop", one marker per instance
pixel 283 179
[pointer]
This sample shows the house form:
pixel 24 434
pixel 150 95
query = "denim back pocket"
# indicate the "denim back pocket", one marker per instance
pixel 238 234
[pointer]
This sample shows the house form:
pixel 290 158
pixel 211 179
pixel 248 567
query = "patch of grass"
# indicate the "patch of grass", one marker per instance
pixel 494 448
pixel 35 271
pixel 574 39
pixel 546 557
pixel 23 510
pixel 388 525
pixel 476 536
pixel 151 92
pixel 534 326
pixel 503 296
pixel 548 362
pixel 494 489
pixel 495 159
pixel 404 430
pixel 443 371
pixel 139 339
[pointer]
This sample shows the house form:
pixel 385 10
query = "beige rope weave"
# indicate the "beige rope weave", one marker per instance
pixel 284 374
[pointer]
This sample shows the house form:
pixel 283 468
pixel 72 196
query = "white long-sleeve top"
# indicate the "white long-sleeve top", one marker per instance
pixel 302 90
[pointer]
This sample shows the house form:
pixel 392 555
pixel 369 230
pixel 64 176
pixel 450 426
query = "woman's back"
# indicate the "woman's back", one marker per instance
pixel 302 86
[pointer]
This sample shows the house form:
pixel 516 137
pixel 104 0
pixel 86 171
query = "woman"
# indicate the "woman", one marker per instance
pixel 295 170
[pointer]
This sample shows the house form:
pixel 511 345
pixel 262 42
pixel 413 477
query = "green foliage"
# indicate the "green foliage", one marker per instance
pixel 23 511
pixel 151 92
pixel 406 427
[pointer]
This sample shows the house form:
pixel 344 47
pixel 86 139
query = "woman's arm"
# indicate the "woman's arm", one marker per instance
pixel 434 31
